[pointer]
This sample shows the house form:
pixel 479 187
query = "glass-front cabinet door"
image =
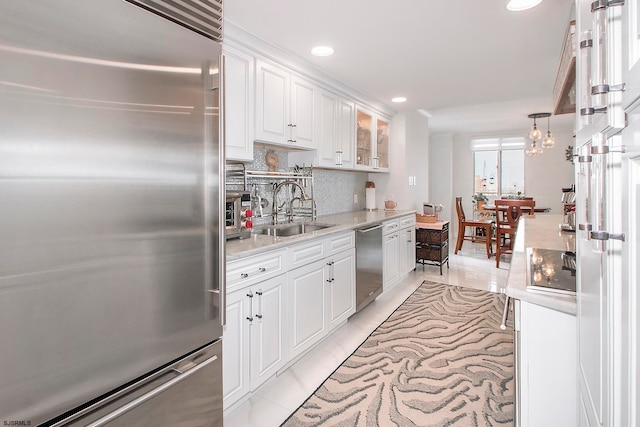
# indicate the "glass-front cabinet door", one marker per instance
pixel 364 147
pixel 382 144
pixel 372 141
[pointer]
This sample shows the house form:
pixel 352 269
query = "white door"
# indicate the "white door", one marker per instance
pixel 239 91
pixel 303 94
pixel 408 250
pixel 267 341
pixel 326 129
pixel 391 259
pixel 307 300
pixel 235 350
pixel 342 287
pixel 346 133
pixel 272 104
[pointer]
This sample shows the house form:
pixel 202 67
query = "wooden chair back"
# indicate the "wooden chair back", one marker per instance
pixel 459 210
pixel 508 212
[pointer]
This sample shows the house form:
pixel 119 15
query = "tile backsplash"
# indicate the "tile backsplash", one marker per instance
pixel 333 190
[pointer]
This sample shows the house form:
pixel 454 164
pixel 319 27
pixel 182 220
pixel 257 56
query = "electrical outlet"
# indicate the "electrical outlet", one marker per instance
pixel 355 199
pixel 412 180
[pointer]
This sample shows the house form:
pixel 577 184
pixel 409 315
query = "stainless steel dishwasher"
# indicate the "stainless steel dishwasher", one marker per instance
pixel 368 264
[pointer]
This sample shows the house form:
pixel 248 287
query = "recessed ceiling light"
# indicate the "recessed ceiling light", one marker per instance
pixel 518 5
pixel 399 99
pixel 322 51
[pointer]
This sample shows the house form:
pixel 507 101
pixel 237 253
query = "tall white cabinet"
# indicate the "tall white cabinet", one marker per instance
pixel 607 183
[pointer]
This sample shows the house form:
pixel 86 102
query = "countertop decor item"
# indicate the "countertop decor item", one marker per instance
pixel 370 195
pixel 272 161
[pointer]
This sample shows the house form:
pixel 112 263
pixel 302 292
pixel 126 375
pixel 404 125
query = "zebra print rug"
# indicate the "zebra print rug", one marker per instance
pixel 440 359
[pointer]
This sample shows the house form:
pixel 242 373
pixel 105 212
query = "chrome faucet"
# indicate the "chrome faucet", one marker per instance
pixel 289 211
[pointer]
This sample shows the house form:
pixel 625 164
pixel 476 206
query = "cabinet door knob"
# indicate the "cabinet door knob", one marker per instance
pixel 244 275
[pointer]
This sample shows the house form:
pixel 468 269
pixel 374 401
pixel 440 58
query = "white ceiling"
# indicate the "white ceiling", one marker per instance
pixel 471 64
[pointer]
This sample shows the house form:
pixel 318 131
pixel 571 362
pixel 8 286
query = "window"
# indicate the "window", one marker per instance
pixel 498 166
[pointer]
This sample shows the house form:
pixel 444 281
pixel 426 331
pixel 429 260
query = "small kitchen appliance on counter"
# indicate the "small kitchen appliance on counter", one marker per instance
pixel 430 208
pixel 238 215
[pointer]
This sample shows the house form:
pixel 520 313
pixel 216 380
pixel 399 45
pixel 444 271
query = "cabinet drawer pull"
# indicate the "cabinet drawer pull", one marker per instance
pixel 262 269
pixel 244 275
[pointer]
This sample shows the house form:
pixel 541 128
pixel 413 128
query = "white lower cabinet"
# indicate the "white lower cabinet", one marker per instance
pixel 274 317
pixel 407 250
pixel 253 341
pixel 407 234
pixel 546 348
pixel 308 323
pixel 342 290
pixel 322 296
pixel 391 259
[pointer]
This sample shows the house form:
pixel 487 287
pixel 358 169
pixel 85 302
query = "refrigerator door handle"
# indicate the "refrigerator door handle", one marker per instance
pixel 222 270
pixel 150 395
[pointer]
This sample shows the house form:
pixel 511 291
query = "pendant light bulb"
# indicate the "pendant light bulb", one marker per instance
pixel 535 133
pixel 549 141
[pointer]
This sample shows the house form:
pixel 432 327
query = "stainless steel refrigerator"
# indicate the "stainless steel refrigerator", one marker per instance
pixel 111 248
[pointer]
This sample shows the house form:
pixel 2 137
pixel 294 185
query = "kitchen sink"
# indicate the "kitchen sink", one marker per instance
pixel 287 230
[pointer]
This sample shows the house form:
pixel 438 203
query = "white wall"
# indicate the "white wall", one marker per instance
pixel 409 149
pixel 440 171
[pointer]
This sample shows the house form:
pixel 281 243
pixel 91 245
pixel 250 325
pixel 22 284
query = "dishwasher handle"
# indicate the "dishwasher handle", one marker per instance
pixel 366 230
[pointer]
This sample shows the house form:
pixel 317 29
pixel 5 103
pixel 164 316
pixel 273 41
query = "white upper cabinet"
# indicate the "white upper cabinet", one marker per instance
pixel 239 101
pixel 335 126
pixel 284 107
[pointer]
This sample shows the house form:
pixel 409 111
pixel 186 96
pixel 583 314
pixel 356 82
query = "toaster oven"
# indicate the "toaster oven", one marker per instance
pixel 238 214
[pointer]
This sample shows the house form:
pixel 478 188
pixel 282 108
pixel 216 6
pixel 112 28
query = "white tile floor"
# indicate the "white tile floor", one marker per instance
pixel 283 394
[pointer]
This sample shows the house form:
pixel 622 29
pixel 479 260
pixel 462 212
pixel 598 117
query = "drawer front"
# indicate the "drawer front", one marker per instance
pixel 340 243
pixel 390 227
pixel 254 269
pixel 305 253
pixel 408 221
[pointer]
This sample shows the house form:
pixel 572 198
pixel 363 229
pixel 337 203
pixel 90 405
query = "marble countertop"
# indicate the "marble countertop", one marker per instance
pixel 344 221
pixel 540 231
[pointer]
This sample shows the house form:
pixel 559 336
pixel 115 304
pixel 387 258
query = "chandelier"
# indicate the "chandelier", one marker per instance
pixel 535 135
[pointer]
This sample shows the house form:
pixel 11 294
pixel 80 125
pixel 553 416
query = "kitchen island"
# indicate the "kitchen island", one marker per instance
pixel 545 332
pixel 542 232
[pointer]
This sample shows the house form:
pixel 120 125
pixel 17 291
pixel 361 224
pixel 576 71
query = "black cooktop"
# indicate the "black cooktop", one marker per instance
pixel 551 271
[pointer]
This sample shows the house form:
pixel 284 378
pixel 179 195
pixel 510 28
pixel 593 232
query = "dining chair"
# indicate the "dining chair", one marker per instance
pixel 464 224
pixel 508 213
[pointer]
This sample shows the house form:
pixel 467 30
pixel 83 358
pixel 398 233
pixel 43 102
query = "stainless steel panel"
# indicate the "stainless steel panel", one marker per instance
pixel 188 393
pixel 103 169
pixel 369 264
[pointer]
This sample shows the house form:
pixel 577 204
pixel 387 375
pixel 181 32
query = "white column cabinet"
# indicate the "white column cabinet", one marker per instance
pixel 284 107
pixel 239 101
